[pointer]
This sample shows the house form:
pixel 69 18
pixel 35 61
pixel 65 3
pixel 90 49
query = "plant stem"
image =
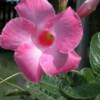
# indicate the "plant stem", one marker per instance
pixel 13 85
pixel 6 79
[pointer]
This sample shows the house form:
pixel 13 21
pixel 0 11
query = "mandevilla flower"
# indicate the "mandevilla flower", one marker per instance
pixel 43 42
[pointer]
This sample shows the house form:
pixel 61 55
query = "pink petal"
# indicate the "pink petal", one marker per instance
pixel 83 11
pixel 68 28
pixel 16 32
pixel 37 11
pixel 27 57
pixel 54 62
pixel 87 7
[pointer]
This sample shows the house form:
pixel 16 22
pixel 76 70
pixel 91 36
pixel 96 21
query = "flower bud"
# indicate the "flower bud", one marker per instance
pixel 62 4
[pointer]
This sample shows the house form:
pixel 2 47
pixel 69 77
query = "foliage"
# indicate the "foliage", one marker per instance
pixel 95 53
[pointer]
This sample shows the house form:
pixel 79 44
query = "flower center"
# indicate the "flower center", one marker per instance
pixel 46 38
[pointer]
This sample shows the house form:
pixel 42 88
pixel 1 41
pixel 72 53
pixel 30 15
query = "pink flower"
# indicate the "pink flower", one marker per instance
pixel 43 42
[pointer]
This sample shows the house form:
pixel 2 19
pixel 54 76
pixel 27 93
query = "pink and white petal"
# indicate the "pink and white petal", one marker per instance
pixel 68 28
pixel 16 32
pixel 37 11
pixel 27 57
pixel 54 62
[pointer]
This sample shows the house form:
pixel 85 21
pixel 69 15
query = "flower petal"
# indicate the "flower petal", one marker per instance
pixel 87 7
pixel 27 57
pixel 16 32
pixel 68 28
pixel 54 62
pixel 37 11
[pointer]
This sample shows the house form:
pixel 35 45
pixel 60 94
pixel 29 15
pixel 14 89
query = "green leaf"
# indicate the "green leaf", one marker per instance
pixel 76 78
pixel 37 93
pixel 3 89
pixel 95 53
pixel 16 92
pixel 81 92
pixel 97 97
pixel 88 74
pixel 49 87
